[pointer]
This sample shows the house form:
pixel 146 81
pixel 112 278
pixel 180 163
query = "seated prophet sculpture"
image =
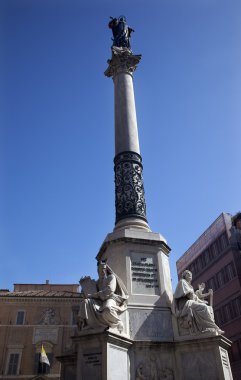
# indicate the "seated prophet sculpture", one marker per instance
pixel 198 316
pixel 101 308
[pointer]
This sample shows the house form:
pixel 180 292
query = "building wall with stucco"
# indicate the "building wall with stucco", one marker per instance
pixel 31 316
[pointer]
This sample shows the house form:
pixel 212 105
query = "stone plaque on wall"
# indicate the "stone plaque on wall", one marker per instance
pixel 225 363
pixel 118 368
pixel 203 360
pixel 45 333
pixel 144 274
pixel 91 365
pixel 150 324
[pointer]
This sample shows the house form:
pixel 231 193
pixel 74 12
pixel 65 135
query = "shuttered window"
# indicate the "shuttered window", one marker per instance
pixel 20 318
pixel 13 364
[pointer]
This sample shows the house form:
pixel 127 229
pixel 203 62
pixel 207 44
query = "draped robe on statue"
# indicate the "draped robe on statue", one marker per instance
pixel 197 311
pixel 104 307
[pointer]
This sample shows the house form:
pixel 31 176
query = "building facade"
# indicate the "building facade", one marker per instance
pixel 215 259
pixel 32 316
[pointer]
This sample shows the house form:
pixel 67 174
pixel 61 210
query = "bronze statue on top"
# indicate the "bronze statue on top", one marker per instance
pixel 121 32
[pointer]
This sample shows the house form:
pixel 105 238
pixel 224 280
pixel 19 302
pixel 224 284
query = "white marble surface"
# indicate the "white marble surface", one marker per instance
pixel 118 363
pixel 126 133
pixel 150 324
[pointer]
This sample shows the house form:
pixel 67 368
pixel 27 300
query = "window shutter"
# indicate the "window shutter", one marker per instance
pixel 13 364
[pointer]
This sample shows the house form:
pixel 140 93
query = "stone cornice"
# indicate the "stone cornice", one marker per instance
pixel 165 248
pixel 38 299
pixel 122 61
pixel 105 336
pixel 32 377
pixel 39 326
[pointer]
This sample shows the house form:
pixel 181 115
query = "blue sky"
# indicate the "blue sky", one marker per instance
pixel 57 127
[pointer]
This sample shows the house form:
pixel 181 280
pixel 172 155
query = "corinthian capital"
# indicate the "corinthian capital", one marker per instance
pixel 123 60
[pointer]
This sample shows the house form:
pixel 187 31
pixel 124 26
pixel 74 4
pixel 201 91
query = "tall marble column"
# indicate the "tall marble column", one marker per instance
pixel 146 337
pixel 129 187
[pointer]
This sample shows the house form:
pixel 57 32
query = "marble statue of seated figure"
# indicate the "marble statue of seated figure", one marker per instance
pixel 198 314
pixel 101 307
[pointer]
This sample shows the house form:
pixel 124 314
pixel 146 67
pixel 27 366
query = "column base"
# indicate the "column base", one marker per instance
pixel 132 223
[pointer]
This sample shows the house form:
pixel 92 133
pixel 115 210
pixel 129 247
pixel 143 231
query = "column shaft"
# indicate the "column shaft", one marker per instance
pixel 129 189
pixel 126 133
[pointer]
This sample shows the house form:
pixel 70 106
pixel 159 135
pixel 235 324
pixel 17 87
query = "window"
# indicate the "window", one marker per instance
pixel 191 268
pixel 234 310
pixel 208 284
pixel 13 364
pixel 230 271
pixel 195 267
pixel 231 353
pixel 206 256
pixel 223 315
pixel 238 303
pixel 20 318
pixel 217 316
pixel 202 260
pixel 213 249
pixel 228 312
pixel 42 368
pixel 225 275
pixel 200 263
pixel 218 246
pixel 211 284
pixel 75 310
pixel 236 350
pixel 239 348
pixel 223 241
pixel 220 279
pixel 210 254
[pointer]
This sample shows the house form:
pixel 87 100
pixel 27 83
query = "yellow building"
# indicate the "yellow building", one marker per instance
pixel 31 316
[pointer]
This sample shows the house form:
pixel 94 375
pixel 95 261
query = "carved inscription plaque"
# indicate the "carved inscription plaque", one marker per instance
pixel 150 325
pixel 144 274
pixel 92 365
pixel 45 333
pixel 226 365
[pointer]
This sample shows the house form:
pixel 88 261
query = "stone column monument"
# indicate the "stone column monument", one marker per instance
pixel 130 326
pixel 129 189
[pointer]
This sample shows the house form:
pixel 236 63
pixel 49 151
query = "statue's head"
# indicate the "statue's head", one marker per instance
pixel 201 286
pixel 187 275
pixel 102 268
pixel 122 18
pixel 236 220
